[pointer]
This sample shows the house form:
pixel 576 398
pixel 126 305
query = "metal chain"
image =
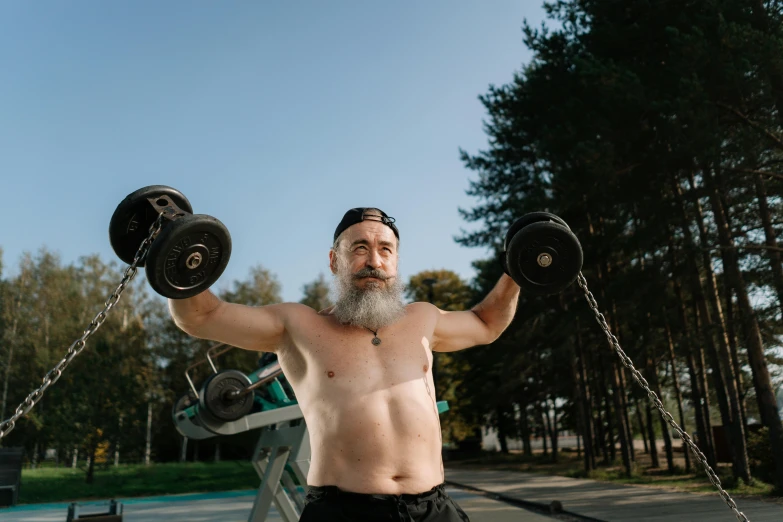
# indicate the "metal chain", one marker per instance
pixel 76 348
pixel 657 402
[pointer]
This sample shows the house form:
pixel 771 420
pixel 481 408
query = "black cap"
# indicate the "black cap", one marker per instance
pixel 359 214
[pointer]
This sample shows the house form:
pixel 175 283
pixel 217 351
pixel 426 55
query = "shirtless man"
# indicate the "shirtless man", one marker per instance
pixel 362 374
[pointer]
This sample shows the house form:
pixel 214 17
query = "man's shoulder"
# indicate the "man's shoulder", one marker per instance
pixel 297 313
pixel 294 309
pixel 421 308
pixel 325 311
pixel 289 311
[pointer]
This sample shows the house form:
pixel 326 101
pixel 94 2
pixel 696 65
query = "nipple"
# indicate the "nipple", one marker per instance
pixel 330 374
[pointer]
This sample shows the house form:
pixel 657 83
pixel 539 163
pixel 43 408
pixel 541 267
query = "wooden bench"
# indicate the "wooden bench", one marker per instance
pixel 10 475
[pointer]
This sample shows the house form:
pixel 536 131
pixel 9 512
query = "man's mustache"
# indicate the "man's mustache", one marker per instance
pixel 371 272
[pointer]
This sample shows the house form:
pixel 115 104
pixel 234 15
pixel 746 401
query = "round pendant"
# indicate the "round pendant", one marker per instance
pixel 376 341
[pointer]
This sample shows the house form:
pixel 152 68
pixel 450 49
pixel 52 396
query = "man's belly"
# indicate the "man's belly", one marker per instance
pixel 386 442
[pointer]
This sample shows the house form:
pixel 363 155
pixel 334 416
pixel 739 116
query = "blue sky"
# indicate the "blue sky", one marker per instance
pixel 273 117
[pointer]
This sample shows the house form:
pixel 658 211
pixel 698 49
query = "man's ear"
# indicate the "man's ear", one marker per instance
pixel 333 261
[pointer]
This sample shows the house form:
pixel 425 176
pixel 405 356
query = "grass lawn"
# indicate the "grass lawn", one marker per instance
pixel 66 484
pixel 569 465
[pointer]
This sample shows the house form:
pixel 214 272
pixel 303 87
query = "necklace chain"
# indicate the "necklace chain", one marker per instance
pixel 375 340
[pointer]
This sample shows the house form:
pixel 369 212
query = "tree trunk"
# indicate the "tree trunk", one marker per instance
pixel 543 431
pixel 117 446
pixel 595 406
pixel 586 402
pixel 183 451
pixel 34 460
pixel 75 457
pixel 553 430
pixel 622 430
pixel 148 446
pixel 581 420
pixel 677 392
pixel 91 465
pixel 765 395
pixel 502 435
pixel 626 411
pixel 726 391
pixel 619 387
pixel 524 426
pixel 665 433
pixel 217 452
pixel 651 366
pixel 769 238
pixel 719 326
pixel 651 435
pixel 607 410
pixel 655 385
pixel 547 421
pixel 602 270
pixel 699 395
pixel 703 442
pixel 732 335
pixel 640 421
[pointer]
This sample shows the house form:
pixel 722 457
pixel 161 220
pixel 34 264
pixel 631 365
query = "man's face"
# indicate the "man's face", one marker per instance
pixel 368 252
pixel 365 266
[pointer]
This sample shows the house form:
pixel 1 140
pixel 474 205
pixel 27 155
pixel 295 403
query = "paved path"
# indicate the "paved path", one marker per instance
pixel 235 507
pixel 613 502
pixel 598 500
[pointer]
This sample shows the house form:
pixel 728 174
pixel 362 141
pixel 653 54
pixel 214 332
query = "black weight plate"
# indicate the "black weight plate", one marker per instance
pixel 188 256
pixel 130 223
pixel 532 217
pixel 544 237
pixel 213 401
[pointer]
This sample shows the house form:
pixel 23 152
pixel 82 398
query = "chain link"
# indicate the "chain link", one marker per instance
pixel 639 378
pixel 76 348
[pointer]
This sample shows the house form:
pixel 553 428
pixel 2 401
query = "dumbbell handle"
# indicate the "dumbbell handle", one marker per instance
pixel 233 395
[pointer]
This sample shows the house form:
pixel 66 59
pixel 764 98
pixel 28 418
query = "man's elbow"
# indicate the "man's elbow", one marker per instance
pixel 193 322
pixel 493 335
pixel 490 332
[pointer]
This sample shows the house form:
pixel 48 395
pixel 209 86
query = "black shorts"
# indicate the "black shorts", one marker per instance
pixel 329 503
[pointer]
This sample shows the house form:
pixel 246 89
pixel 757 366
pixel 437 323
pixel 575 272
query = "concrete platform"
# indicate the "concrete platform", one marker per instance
pixel 235 507
pixel 613 502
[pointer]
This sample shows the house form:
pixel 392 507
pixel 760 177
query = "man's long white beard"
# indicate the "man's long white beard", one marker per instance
pixel 373 307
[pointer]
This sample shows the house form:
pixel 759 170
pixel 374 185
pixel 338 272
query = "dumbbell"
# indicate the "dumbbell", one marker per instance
pixel 226 396
pixel 541 254
pixel 187 256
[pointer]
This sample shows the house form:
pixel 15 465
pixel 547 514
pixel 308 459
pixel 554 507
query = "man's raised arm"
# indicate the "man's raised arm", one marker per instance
pixel 205 316
pixel 482 324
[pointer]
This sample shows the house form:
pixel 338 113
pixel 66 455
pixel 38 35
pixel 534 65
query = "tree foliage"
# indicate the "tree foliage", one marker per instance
pixel 316 294
pixel 654 130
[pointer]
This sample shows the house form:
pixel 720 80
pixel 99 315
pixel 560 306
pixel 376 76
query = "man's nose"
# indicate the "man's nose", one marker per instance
pixel 374 259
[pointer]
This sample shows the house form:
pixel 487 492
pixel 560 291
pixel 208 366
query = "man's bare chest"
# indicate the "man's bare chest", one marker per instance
pixel 346 358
